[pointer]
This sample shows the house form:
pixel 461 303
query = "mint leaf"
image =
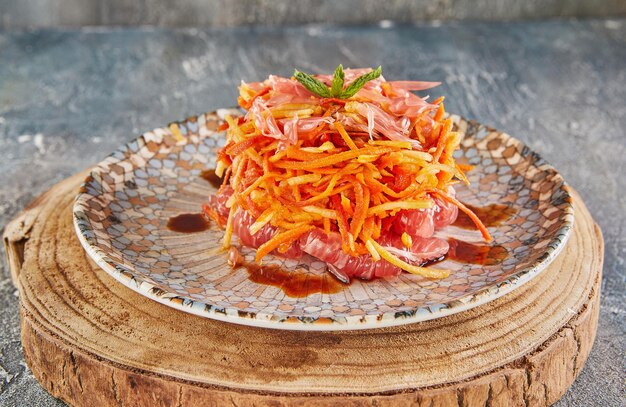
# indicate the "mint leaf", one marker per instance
pixel 337 84
pixel 359 82
pixel 313 85
pixel 336 90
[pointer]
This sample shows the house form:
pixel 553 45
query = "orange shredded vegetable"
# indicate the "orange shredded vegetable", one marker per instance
pixel 340 165
pixel 481 227
pixel 281 238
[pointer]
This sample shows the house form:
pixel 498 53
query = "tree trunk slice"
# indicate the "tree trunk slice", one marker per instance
pixel 91 341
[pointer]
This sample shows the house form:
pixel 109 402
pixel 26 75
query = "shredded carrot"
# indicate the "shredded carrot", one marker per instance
pixel 479 224
pixel 331 160
pixel 342 223
pixel 440 112
pixel 228 235
pixel 360 211
pixel 326 225
pixel 285 237
pixel 341 165
pixel 465 167
pixel 238 148
pixel 443 138
pixel 345 136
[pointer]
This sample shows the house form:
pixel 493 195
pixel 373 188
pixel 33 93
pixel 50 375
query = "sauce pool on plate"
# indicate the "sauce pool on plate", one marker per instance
pixel 296 284
pixel 194 222
pixel 188 223
pixel 211 177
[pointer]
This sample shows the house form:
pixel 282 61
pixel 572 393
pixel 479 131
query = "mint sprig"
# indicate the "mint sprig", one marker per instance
pixel 336 86
pixel 312 84
pixel 336 90
pixel 359 82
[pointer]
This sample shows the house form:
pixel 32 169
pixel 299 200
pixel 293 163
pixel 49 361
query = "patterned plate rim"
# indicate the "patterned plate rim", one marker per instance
pixel 387 319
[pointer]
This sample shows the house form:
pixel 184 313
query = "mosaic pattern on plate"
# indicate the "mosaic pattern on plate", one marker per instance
pixel 124 205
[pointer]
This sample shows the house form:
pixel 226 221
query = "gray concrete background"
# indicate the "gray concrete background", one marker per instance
pixel 68 98
pixel 221 13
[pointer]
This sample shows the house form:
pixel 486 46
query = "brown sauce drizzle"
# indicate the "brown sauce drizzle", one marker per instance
pixel 296 284
pixel 473 253
pixel 211 177
pixel 188 223
pixel 490 215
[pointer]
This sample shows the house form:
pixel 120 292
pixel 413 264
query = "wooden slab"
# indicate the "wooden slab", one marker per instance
pixel 93 342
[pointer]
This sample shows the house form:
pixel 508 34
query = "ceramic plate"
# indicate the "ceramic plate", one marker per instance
pixel 123 208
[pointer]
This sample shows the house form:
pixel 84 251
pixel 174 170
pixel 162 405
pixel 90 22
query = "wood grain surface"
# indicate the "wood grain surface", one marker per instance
pixel 91 341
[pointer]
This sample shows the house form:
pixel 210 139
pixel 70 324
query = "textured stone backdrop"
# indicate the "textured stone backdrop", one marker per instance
pixel 219 13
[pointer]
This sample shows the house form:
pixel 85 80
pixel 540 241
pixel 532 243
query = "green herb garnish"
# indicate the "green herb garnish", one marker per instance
pixel 337 85
pixel 336 90
pixel 359 82
pixel 313 85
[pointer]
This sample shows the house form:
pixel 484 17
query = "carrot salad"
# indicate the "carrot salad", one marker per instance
pixel 341 153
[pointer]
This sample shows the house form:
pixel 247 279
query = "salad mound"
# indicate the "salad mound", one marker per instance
pixel 348 168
